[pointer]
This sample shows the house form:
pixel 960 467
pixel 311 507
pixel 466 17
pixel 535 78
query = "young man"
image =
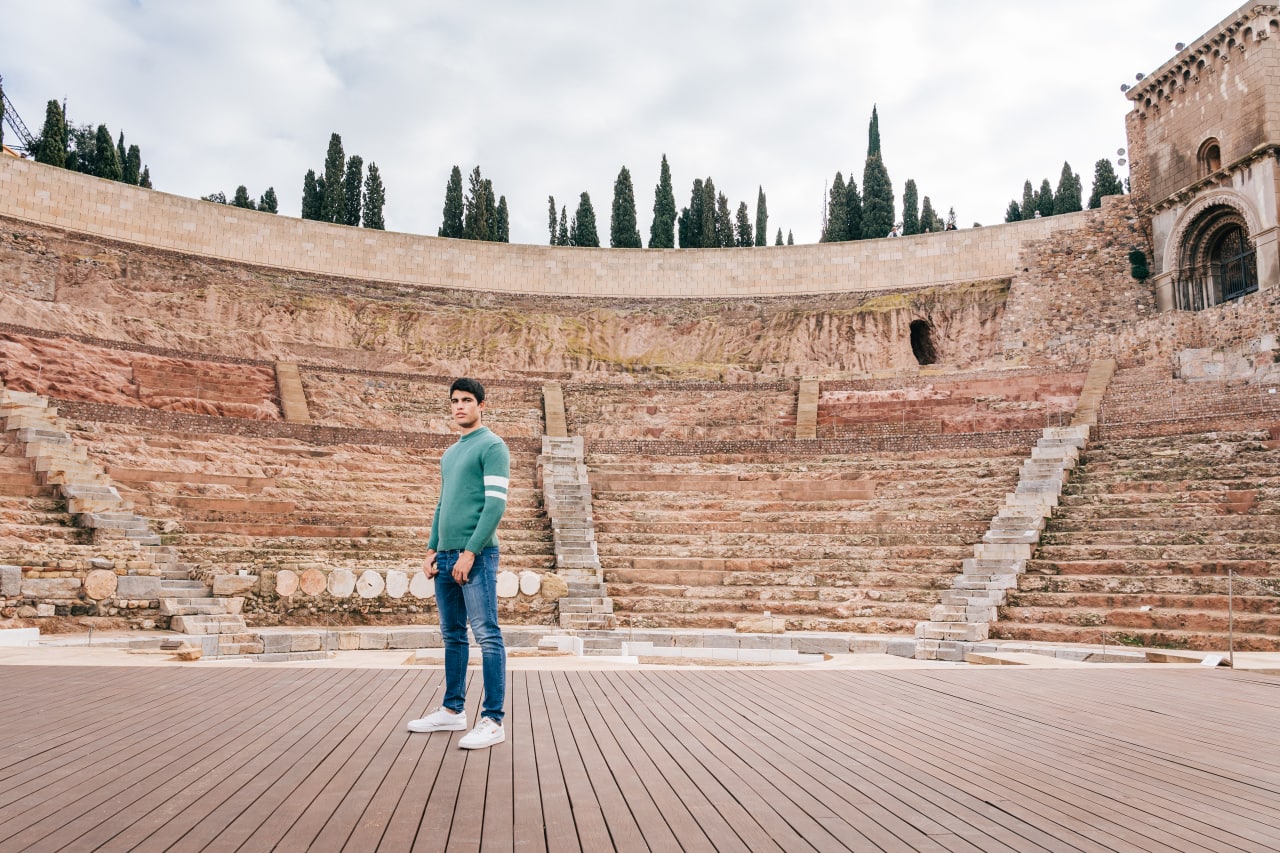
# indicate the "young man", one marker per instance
pixel 462 556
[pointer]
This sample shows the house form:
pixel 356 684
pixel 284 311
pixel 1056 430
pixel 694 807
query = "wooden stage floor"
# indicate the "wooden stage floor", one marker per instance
pixel 969 759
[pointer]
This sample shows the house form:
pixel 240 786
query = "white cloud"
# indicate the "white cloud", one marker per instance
pixel 554 98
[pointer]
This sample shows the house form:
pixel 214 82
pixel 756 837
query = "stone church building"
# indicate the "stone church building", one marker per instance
pixel 1204 135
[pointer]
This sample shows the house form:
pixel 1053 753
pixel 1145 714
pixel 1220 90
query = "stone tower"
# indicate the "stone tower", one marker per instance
pixel 1204 135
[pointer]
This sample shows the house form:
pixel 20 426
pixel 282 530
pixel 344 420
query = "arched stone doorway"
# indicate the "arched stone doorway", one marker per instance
pixel 922 342
pixel 1217 260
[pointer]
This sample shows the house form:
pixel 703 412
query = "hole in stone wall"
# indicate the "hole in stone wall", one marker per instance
pixel 922 342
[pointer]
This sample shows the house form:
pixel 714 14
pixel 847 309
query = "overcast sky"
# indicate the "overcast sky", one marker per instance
pixel 554 97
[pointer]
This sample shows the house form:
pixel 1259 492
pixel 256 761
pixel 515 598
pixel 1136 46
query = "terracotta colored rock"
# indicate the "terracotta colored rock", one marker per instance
pixel 370 584
pixel 234 584
pixel 397 583
pixel 342 582
pixel 313 582
pixel 100 584
pixel 554 587
pixel 286 582
pixel 761 625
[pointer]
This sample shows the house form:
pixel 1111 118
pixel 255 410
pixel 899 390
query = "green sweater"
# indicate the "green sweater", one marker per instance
pixel 474 475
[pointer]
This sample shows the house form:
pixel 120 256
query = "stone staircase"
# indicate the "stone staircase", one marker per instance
pixel 567 498
pixel 91 497
pixel 1166 540
pixel 971 605
pixel 193 609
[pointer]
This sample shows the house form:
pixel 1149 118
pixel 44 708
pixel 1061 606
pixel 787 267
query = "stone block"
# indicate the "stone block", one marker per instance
pixel 348 641
pixel 277 643
pixel 10 581
pixel 413 638
pixel 45 610
pixel 46 588
pixel 397 583
pixel 306 641
pixel 761 625
pixel 225 585
pixel 373 640
pixel 902 648
pixel 821 645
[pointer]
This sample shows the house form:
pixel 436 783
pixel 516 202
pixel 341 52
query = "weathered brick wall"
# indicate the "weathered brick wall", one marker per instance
pixel 37 193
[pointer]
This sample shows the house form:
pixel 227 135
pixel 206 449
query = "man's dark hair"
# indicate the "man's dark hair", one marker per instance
pixel 470 386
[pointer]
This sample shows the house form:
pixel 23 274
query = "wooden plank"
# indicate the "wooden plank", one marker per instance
pixel 108 754
pixel 168 775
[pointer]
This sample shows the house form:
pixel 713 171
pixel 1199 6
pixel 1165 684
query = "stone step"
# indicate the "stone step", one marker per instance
pixel 1244 601
pixel 207 624
pixel 1134 637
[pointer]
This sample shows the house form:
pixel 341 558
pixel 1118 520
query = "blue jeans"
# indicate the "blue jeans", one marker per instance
pixel 474 602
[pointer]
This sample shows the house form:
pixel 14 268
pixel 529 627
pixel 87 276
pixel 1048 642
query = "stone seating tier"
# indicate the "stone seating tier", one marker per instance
pixel 1143 396
pixel 863 542
pixel 239 502
pixel 683 414
pixel 1140 547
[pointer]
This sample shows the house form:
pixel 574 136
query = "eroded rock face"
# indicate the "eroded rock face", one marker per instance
pixel 120 292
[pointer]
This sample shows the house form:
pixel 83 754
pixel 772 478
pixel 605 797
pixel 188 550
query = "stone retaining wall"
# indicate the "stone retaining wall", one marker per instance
pixel 64 199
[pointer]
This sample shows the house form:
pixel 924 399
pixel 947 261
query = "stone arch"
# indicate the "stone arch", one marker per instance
pixel 1209 157
pixel 1213 252
pixel 922 346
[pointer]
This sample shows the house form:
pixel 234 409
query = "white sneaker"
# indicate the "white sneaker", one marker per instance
pixel 487 732
pixel 440 720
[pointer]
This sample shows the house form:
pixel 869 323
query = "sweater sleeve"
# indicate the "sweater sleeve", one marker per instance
pixel 495 464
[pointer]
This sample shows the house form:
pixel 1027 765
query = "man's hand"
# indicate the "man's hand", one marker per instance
pixel 462 567
pixel 429 565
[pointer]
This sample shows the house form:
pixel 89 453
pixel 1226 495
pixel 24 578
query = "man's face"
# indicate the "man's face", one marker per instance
pixel 466 410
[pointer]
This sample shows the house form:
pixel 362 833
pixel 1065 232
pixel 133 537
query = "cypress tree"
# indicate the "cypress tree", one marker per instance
pixel 877 199
pixel 133 165
pixel 312 196
pixel 475 215
pixel 268 203
pixel 121 154
pixel 52 146
pixel 623 231
pixel 709 238
pixel 778 240
pixel 928 219
pixel 853 218
pixel 762 219
pixel 583 231
pixel 837 227
pixel 1044 199
pixel 145 180
pixel 1028 201
pixel 662 231
pixel 791 241
pixel 910 208
pixel 746 236
pixel 335 203
pixel 1067 198
pixel 877 191
pixel 1014 212
pixel 1105 183
pixel 502 219
pixel 562 234
pixel 951 219
pixel 551 219
pixel 490 211
pixel 106 162
pixel 375 196
pixel 241 198
pixel 691 218
pixel 725 233
pixel 352 181
pixel 453 206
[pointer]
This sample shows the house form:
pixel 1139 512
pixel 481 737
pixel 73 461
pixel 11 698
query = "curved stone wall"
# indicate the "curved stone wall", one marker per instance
pixel 56 197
